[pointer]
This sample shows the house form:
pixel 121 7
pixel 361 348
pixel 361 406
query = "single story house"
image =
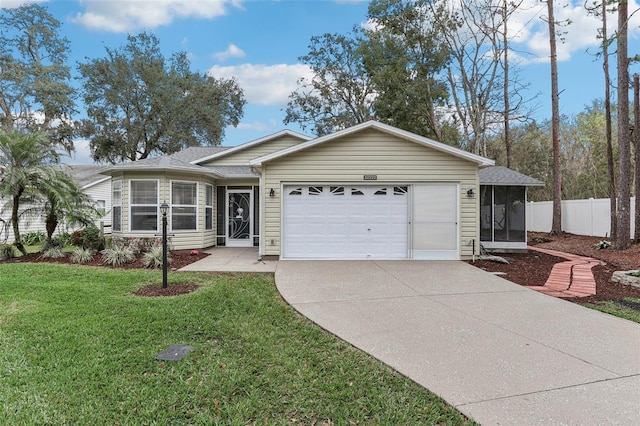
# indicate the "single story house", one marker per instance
pixel 371 191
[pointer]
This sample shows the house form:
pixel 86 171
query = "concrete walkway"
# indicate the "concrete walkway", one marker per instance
pixel 232 259
pixel 569 279
pixel 499 352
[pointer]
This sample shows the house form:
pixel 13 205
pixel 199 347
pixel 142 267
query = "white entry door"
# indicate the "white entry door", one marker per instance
pixel 239 218
pixel 345 222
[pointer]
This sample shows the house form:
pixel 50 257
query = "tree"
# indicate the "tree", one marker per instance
pixel 636 138
pixel 623 230
pixel 405 58
pixel 28 170
pixel 35 91
pixel 340 93
pixel 556 223
pixel 140 103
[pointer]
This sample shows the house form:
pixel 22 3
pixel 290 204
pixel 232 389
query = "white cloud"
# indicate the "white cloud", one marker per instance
pixel 529 29
pixel 232 51
pixel 127 15
pixel 259 126
pixel 264 84
pixel 12 4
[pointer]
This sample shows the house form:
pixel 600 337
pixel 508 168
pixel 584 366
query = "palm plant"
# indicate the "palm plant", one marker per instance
pixel 27 170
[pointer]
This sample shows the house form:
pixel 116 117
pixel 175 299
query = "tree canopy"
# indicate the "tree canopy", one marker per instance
pixel 35 90
pixel 140 103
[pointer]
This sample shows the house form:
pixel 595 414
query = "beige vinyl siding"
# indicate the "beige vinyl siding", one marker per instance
pixel 242 157
pixel 102 191
pixel 180 240
pixel 391 159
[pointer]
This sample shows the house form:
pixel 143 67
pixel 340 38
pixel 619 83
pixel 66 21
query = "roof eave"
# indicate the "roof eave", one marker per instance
pixel 111 171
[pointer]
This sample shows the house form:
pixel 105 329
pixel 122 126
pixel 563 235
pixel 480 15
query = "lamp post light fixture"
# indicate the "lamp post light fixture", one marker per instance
pixel 164 209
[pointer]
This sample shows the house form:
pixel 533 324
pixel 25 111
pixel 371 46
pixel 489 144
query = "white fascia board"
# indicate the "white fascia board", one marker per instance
pixel 89 185
pixel 250 144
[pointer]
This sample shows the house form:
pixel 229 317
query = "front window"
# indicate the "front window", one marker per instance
pixel 144 205
pixel 116 205
pixel 208 207
pixel 184 206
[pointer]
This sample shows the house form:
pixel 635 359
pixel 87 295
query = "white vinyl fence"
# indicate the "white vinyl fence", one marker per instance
pixel 581 217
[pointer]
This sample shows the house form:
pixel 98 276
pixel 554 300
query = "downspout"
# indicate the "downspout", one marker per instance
pixel 261 201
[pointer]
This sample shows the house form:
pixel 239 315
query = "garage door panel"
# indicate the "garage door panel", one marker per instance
pixel 435 221
pixel 354 222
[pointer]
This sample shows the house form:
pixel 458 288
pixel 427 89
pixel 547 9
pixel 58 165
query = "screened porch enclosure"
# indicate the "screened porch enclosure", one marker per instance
pixel 503 216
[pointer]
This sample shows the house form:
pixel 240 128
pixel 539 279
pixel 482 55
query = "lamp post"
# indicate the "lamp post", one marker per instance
pixel 164 209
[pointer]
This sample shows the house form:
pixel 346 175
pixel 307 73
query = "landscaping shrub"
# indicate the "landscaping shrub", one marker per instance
pixel 33 238
pixel 153 257
pixel 6 252
pixel 82 255
pixel 63 239
pixel 116 256
pixel 52 252
pixel 139 245
pixel 88 238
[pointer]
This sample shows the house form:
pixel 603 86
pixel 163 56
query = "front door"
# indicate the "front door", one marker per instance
pixel 239 218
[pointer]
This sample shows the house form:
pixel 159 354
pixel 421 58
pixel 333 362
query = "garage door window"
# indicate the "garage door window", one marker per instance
pixel 337 190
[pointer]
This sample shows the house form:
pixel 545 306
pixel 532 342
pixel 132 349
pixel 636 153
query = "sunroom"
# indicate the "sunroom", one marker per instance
pixel 503 205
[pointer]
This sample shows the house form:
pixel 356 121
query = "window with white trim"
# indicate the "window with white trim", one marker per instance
pixel 208 206
pixel 143 205
pixel 184 206
pixel 116 205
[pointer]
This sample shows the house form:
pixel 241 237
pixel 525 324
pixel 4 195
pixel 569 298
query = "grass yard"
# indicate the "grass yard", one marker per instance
pixel 627 308
pixel 76 347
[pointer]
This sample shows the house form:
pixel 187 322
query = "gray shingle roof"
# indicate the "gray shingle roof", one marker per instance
pixel 85 174
pixel 165 162
pixel 197 152
pixel 499 175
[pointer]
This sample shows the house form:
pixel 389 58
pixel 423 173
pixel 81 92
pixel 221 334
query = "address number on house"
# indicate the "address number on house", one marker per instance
pixel 370 177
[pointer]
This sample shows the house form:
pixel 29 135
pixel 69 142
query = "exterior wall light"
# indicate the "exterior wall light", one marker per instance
pixel 272 193
pixel 470 193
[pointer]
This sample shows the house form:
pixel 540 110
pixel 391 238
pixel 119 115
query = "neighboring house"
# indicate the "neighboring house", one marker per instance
pixel 503 205
pixel 92 182
pixel 371 191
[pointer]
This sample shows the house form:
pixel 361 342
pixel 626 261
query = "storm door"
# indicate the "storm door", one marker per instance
pixel 239 218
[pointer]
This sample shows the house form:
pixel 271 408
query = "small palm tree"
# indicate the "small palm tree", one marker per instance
pixel 28 168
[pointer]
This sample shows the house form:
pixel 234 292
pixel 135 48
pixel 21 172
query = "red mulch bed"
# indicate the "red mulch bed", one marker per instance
pixel 179 259
pixel 533 268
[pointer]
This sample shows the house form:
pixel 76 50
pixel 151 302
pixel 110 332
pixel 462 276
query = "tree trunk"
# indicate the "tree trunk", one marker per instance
pixel 556 225
pixel 14 220
pixel 624 164
pixel 636 139
pixel 51 224
pixel 507 136
pixel 607 106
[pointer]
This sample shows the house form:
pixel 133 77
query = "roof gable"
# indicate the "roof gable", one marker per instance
pixel 250 144
pixel 382 128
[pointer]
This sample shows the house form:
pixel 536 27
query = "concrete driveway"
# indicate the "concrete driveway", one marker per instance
pixel 500 353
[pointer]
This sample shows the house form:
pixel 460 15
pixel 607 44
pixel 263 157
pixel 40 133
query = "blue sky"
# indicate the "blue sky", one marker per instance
pixel 259 42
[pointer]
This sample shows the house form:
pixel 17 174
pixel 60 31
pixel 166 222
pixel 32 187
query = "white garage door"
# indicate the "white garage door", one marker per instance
pixel 345 222
pixel 435 221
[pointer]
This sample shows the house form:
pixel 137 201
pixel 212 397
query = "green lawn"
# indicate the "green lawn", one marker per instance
pixel 627 308
pixel 76 347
